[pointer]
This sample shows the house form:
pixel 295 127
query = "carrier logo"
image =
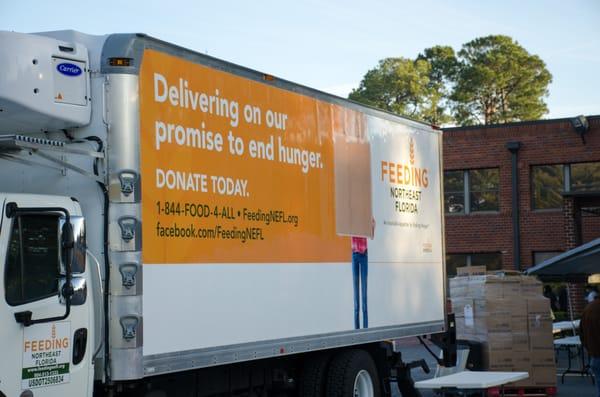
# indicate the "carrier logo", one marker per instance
pixel 68 69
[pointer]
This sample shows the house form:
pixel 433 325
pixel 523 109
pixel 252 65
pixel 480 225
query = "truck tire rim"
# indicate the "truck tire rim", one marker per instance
pixel 363 385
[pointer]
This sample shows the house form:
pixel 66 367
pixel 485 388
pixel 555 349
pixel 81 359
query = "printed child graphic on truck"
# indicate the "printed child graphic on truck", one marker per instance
pixel 360 270
pixel 354 215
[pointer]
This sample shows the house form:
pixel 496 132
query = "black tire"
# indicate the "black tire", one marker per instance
pixel 344 369
pixel 314 375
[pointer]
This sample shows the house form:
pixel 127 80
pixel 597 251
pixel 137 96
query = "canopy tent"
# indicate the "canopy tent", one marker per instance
pixel 573 266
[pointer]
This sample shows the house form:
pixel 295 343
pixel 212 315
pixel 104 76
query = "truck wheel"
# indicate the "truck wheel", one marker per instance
pixel 314 376
pixel 352 373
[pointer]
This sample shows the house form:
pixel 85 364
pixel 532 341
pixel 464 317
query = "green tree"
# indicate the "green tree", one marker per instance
pixel 398 85
pixel 491 80
pixel 498 81
pixel 443 69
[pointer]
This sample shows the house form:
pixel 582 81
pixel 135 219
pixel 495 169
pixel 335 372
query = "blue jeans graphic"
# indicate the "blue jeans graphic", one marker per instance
pixel 360 268
pixel 595 367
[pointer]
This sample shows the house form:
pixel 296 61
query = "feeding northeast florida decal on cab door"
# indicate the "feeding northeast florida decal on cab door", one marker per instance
pixel 46 355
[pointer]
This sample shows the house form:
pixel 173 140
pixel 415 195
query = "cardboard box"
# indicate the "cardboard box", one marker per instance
pixel 543 375
pixel 531 287
pixel 471 271
pixel 471 280
pixel 459 287
pixel 519 325
pixel 499 341
pixel 541 342
pixel 491 316
pixel 494 287
pixel 520 342
pixel 499 306
pixel 511 288
pixel 495 360
pixel 517 306
pixel 542 357
pixel 458 306
pixel 482 316
pixel 462 331
pixel 539 305
pixel 509 314
pixel 539 324
pixel 521 361
pixel 494 322
pixel 485 287
pixel 539 314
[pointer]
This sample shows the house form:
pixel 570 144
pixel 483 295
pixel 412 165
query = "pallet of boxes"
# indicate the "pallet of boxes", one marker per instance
pixel 508 314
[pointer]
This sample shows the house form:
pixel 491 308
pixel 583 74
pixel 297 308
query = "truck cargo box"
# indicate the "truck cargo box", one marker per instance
pixel 232 199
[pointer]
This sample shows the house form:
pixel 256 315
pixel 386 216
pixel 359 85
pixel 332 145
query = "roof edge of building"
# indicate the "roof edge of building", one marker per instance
pixel 516 124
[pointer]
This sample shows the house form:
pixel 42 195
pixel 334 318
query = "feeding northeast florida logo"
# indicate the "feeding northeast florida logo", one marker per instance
pixel 46 355
pixel 407 182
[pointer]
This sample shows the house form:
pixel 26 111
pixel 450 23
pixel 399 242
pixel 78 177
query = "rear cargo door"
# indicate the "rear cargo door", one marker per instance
pixel 50 358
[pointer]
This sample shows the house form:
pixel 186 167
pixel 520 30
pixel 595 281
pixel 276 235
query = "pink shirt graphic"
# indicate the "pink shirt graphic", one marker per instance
pixel 359 244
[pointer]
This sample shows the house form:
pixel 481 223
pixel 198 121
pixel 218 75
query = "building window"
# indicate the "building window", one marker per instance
pixel 454 261
pixel 471 191
pixel 491 261
pixel 585 177
pixel 454 192
pixel 484 185
pixel 547 184
pixel 541 256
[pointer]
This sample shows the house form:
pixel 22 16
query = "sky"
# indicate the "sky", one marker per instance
pixel 330 45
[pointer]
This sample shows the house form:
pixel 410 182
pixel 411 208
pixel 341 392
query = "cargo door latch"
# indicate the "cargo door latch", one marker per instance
pixel 128 225
pixel 129 325
pixel 128 272
pixel 128 181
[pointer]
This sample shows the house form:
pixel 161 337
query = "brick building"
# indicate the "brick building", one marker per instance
pixel 557 190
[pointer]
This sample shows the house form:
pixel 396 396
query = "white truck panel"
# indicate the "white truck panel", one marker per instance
pixel 275 301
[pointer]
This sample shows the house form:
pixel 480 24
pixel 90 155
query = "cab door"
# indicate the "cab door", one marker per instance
pixel 45 350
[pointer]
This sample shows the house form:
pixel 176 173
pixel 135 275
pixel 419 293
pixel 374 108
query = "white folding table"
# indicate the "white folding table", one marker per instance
pixel 568 343
pixel 563 326
pixel 473 381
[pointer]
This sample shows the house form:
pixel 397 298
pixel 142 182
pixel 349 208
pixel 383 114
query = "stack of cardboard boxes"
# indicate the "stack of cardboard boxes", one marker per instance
pixel 511 318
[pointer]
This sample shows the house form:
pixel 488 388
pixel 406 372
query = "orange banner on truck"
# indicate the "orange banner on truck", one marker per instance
pixel 235 170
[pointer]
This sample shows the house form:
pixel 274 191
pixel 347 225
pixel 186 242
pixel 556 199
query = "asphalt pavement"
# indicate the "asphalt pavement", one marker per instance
pixel 574 385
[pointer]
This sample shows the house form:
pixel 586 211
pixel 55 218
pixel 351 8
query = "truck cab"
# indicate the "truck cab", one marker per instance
pixel 46 289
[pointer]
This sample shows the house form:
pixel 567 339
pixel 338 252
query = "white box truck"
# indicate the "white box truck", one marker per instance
pixel 175 225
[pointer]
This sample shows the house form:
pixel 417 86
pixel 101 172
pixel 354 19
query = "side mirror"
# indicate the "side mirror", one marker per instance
pixel 77 291
pixel 66 249
pixel 79 245
pixel 67 242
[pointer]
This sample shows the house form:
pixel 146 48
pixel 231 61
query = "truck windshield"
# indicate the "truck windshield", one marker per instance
pixel 32 264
